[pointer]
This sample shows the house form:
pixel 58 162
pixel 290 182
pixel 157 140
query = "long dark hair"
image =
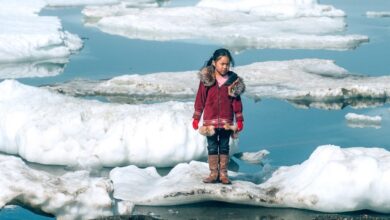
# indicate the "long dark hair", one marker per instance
pixel 218 54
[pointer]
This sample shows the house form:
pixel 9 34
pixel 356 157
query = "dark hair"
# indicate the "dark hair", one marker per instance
pixel 217 54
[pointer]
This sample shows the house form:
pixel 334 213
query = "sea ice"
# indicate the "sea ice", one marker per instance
pixel 306 83
pixel 374 14
pixel 74 195
pixel 317 27
pixel 332 179
pixel 50 128
pixel 361 121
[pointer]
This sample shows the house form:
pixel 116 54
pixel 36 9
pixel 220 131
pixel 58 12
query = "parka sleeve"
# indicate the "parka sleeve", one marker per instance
pixel 237 108
pixel 200 101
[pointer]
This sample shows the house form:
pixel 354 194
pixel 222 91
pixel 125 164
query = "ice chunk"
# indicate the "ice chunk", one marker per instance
pixel 306 83
pixel 50 128
pixel 361 121
pixel 332 179
pixel 373 14
pixel 74 195
pixel 237 29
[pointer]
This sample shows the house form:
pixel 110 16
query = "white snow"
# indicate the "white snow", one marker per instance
pixel 373 14
pixel 333 179
pixel 306 82
pixel 237 29
pixel 73 195
pixel 49 128
pixel 361 121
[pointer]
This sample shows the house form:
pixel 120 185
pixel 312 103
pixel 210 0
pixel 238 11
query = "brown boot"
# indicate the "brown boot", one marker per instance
pixel 213 165
pixel 223 171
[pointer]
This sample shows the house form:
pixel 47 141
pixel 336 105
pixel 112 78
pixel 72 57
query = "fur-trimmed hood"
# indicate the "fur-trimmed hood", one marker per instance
pixel 235 83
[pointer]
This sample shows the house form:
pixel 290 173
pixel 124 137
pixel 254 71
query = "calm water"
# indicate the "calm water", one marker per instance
pixel 289 133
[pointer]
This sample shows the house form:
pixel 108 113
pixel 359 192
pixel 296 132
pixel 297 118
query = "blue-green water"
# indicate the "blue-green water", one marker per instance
pixel 289 133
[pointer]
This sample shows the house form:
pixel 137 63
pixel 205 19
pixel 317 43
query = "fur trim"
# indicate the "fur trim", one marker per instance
pixel 207 130
pixel 237 87
pixel 206 76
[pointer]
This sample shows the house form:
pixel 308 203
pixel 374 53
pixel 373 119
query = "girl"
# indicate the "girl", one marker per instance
pixel 218 100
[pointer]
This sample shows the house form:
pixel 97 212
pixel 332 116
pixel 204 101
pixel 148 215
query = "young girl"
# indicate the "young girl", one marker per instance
pixel 218 100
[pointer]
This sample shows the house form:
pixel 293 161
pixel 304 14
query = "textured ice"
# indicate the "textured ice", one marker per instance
pixel 361 121
pixel 333 179
pixel 306 83
pixel 318 27
pixel 49 128
pixel 74 195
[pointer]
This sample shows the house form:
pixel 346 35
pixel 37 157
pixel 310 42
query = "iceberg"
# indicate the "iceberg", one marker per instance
pixel 318 26
pixel 332 179
pixel 306 83
pixel 361 121
pixel 73 195
pixel 49 128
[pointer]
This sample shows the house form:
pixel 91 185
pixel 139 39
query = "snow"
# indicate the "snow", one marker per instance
pixel 74 195
pixel 319 26
pixel 361 121
pixel 333 179
pixel 48 128
pixel 304 82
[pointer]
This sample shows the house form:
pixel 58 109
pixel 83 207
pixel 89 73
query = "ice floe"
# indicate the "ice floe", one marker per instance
pixel 74 195
pixel 361 121
pixel 27 39
pixel 305 83
pixel 332 179
pixel 292 24
pixel 373 14
pixel 49 128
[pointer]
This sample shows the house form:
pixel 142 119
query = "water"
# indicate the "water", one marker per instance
pixel 289 133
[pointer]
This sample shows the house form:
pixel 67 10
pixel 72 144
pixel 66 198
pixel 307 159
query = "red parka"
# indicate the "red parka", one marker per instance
pixel 219 105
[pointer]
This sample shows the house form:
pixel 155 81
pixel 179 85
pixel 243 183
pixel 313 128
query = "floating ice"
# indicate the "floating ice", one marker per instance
pixel 49 128
pixel 361 121
pixel 275 8
pixel 306 83
pixel 331 180
pixel 318 26
pixel 27 40
pixel 73 195
pixel 373 14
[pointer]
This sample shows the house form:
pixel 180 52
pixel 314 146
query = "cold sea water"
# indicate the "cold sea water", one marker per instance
pixel 290 133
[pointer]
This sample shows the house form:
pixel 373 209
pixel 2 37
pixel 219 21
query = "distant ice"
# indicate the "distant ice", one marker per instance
pixel 48 128
pixel 305 83
pixel 361 121
pixel 373 14
pixel 295 24
pixel 275 8
pixel 74 195
pixel 332 179
pixel 27 39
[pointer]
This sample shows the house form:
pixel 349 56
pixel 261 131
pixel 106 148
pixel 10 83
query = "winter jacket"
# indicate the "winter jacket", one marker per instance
pixel 219 105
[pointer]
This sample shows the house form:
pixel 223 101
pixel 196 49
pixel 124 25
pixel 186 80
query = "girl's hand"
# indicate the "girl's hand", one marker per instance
pixel 195 124
pixel 240 126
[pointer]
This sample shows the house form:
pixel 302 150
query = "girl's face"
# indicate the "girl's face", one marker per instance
pixel 222 65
